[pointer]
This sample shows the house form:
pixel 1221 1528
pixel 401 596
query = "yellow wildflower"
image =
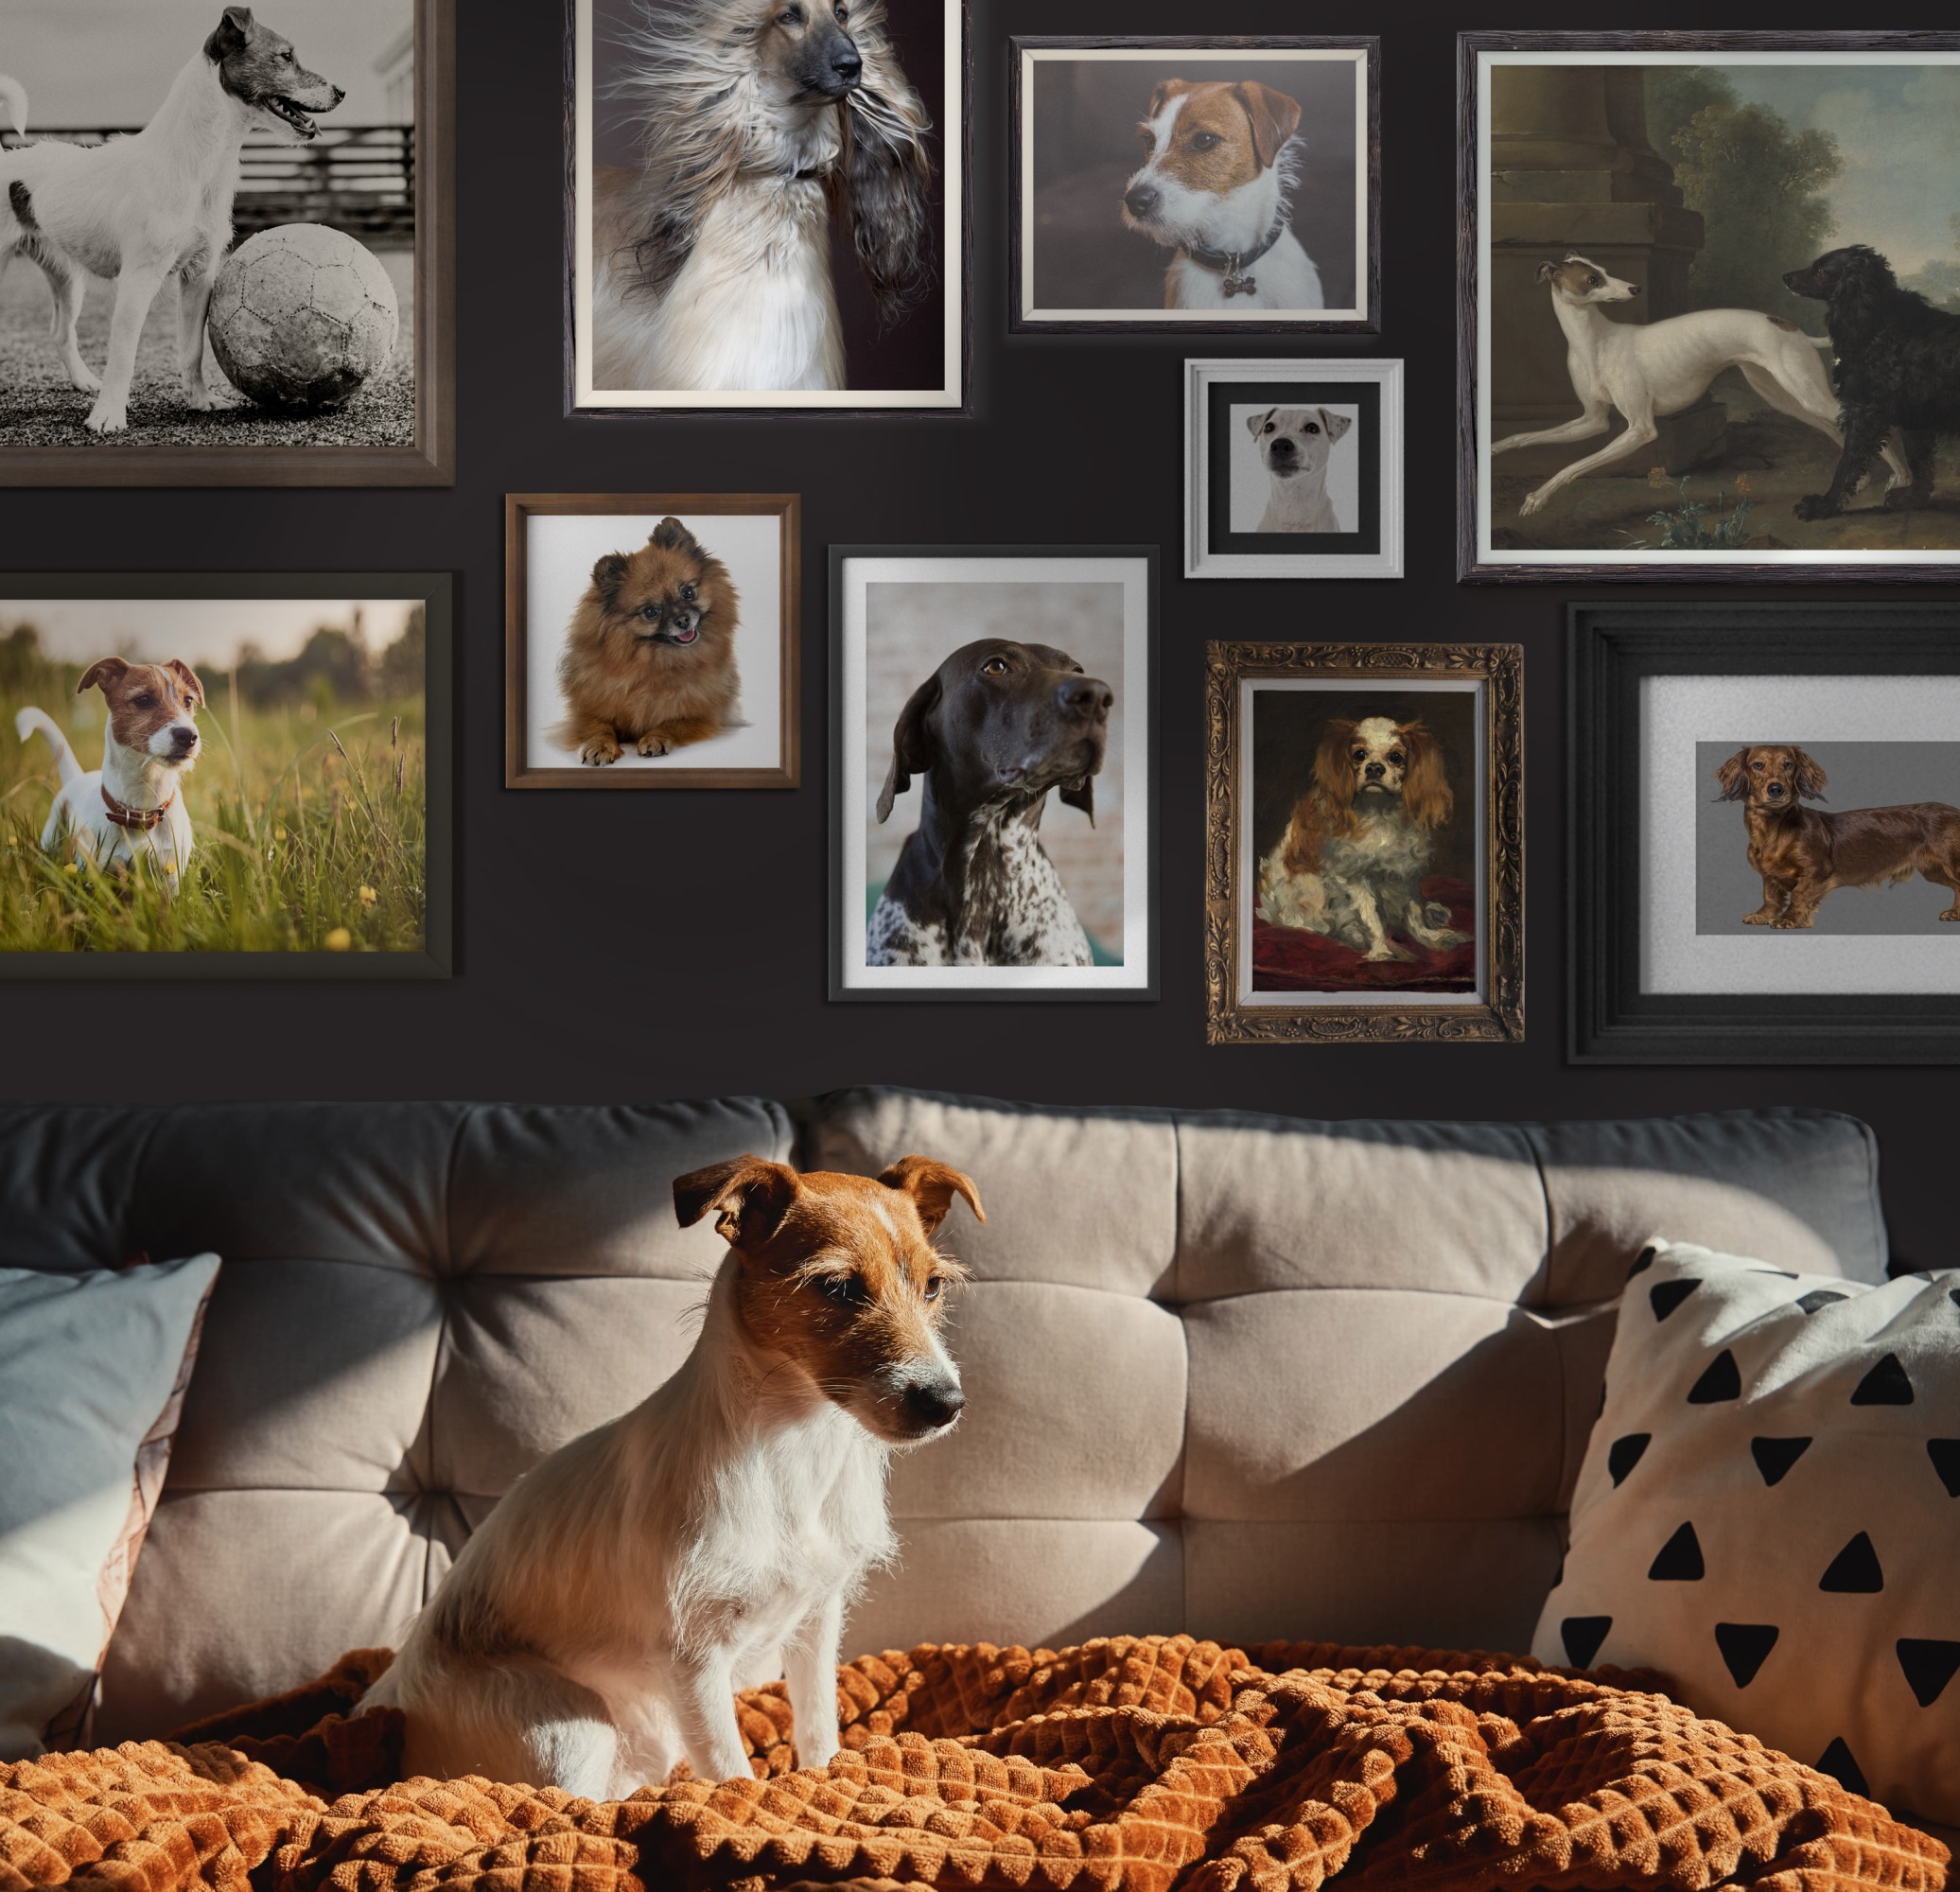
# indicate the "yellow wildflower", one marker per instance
pixel 1656 476
pixel 278 833
pixel 368 895
pixel 1742 486
pixel 73 867
pixel 338 940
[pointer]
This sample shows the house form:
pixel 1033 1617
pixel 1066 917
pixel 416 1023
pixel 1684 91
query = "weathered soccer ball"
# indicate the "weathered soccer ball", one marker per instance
pixel 301 316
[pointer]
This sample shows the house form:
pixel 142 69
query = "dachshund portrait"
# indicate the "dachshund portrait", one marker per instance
pixel 1351 860
pixel 757 120
pixel 1804 853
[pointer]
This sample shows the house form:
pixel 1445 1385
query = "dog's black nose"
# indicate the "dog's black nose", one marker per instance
pixel 1283 447
pixel 1375 771
pixel 1143 198
pixel 1085 696
pixel 1774 791
pixel 935 1405
pixel 846 63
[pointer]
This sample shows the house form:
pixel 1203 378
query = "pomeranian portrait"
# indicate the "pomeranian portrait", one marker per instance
pixel 649 660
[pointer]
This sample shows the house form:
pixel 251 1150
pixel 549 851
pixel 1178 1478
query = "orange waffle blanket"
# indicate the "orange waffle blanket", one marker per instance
pixel 1148 1763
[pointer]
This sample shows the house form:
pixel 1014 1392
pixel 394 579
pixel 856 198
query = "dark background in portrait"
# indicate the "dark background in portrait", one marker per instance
pixel 701 915
pixel 1085 114
pixel 1861 775
pixel 1224 434
pixel 912 354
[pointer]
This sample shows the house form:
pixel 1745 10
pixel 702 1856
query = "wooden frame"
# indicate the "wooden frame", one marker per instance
pixel 1366 321
pixel 1695 566
pixel 431 461
pixel 436 960
pixel 520 508
pixel 1496 1011
pixel 1012 984
pixel 1613 652
pixel 961 200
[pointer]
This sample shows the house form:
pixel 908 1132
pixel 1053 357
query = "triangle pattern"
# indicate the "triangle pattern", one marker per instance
pixel 1642 1265
pixel 1837 1761
pixel 1622 1456
pixel 1773 1456
pixel 1679 1560
pixel 1668 1295
pixel 1886 1384
pixel 1820 1297
pixel 1945 1454
pixel 1581 1636
pixel 1744 1646
pixel 1723 1381
pixel 1854 1572
pixel 1929 1667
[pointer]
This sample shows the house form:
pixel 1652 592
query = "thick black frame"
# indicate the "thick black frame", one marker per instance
pixel 437 958
pixel 1365 540
pixel 1611 648
pixel 1149 857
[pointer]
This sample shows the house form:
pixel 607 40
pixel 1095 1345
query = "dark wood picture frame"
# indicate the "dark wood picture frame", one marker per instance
pixel 437 958
pixel 1471 565
pixel 1143 860
pixel 1368 288
pixel 520 508
pixel 1611 648
pixel 956 10
pixel 431 461
pixel 1227 901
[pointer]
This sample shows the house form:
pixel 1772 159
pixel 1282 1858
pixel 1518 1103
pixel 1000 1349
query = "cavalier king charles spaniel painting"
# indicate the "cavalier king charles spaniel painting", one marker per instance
pixel 1352 862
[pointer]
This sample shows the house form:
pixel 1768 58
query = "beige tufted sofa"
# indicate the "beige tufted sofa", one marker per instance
pixel 1244 1376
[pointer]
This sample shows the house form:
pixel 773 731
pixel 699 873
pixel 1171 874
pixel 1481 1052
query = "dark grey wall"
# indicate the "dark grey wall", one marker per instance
pixel 625 946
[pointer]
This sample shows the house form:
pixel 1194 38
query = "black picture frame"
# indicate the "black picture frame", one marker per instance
pixel 1369 288
pixel 1611 649
pixel 1221 396
pixel 435 590
pixel 1146 858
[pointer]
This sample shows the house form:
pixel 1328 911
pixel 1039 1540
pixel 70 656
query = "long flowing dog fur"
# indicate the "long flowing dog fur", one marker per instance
pixel 713 264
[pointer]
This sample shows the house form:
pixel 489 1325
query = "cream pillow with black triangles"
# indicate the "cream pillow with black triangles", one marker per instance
pixel 1769 1511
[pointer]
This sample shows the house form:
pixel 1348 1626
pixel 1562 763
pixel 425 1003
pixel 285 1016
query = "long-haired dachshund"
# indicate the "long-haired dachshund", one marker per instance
pixel 1352 860
pixel 1803 854
pixel 712 261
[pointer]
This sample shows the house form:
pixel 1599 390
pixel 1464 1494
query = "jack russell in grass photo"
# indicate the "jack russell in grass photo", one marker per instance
pixel 1294 445
pixel 594 1630
pixel 131 808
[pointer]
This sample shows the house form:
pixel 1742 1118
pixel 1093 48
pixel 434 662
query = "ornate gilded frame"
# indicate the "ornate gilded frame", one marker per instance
pixel 1498 1011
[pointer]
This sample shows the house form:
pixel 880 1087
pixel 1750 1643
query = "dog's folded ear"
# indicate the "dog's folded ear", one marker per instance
pixel 1730 777
pixel 1079 792
pixel 751 1192
pixel 193 686
pixel 232 34
pixel 672 535
pixel 1274 116
pixel 105 669
pixel 1546 272
pixel 1167 89
pixel 1810 779
pixel 609 574
pixel 932 1186
pixel 1254 422
pixel 1335 424
pixel 911 744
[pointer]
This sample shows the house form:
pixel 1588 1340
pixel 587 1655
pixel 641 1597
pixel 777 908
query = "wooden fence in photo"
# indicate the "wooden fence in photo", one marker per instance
pixel 360 178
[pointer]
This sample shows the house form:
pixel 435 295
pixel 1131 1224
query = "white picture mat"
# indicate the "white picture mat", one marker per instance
pixel 1199 318
pixel 949 154
pixel 1249 861
pixel 1677 712
pixel 560 549
pixel 1486 552
pixel 1135 972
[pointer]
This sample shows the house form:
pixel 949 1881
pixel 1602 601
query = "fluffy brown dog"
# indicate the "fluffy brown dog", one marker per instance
pixel 650 656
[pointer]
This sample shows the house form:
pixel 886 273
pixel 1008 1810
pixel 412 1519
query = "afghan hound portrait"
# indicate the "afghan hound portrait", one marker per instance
pixel 1353 857
pixel 759 121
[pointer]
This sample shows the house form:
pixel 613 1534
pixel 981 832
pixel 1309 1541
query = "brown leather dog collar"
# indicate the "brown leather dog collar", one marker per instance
pixel 134 817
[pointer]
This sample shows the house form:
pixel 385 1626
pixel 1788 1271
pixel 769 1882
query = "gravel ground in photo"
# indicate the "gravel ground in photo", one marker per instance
pixel 38 408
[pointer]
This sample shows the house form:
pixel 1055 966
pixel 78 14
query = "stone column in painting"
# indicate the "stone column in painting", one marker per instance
pixel 1572 169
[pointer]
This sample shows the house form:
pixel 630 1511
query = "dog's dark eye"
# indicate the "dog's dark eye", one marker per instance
pixel 1204 141
pixel 1359 756
pixel 994 666
pixel 841 13
pixel 1270 428
pixel 144 700
pixel 1311 427
pixel 1755 766
pixel 1396 756
pixel 650 612
pixel 791 16
pixel 1148 138
pixel 841 1290
pixel 687 594
pixel 933 1284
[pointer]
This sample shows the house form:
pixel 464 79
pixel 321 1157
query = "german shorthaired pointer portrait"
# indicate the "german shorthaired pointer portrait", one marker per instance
pixel 992 731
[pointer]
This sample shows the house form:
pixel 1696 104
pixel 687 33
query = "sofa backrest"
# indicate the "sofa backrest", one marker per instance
pixel 1248 1377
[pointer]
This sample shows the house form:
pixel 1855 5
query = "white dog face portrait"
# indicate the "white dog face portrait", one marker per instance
pixel 1291 450
pixel 1296 442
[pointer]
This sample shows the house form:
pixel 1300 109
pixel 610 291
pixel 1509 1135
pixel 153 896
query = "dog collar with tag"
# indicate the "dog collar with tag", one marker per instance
pixel 134 817
pixel 1233 264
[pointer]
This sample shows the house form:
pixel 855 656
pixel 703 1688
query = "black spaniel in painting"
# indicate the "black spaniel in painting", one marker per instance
pixel 1898 366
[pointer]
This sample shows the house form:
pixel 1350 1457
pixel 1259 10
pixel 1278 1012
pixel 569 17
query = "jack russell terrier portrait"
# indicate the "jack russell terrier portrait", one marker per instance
pixel 1294 445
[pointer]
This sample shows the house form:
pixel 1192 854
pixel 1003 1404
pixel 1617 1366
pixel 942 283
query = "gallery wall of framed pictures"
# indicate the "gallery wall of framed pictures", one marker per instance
pixel 1153 560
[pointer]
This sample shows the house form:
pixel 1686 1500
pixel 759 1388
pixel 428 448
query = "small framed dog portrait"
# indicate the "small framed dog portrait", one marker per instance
pixel 225 776
pixel 227 243
pixel 1197 183
pixel 1293 469
pixel 650 639
pixel 1364 843
pixel 1764 804
pixel 993 796
pixel 767 207
pixel 1709 323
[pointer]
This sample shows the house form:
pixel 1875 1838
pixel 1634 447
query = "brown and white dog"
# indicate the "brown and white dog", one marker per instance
pixel 1803 854
pixel 131 808
pixel 594 1630
pixel 1220 162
